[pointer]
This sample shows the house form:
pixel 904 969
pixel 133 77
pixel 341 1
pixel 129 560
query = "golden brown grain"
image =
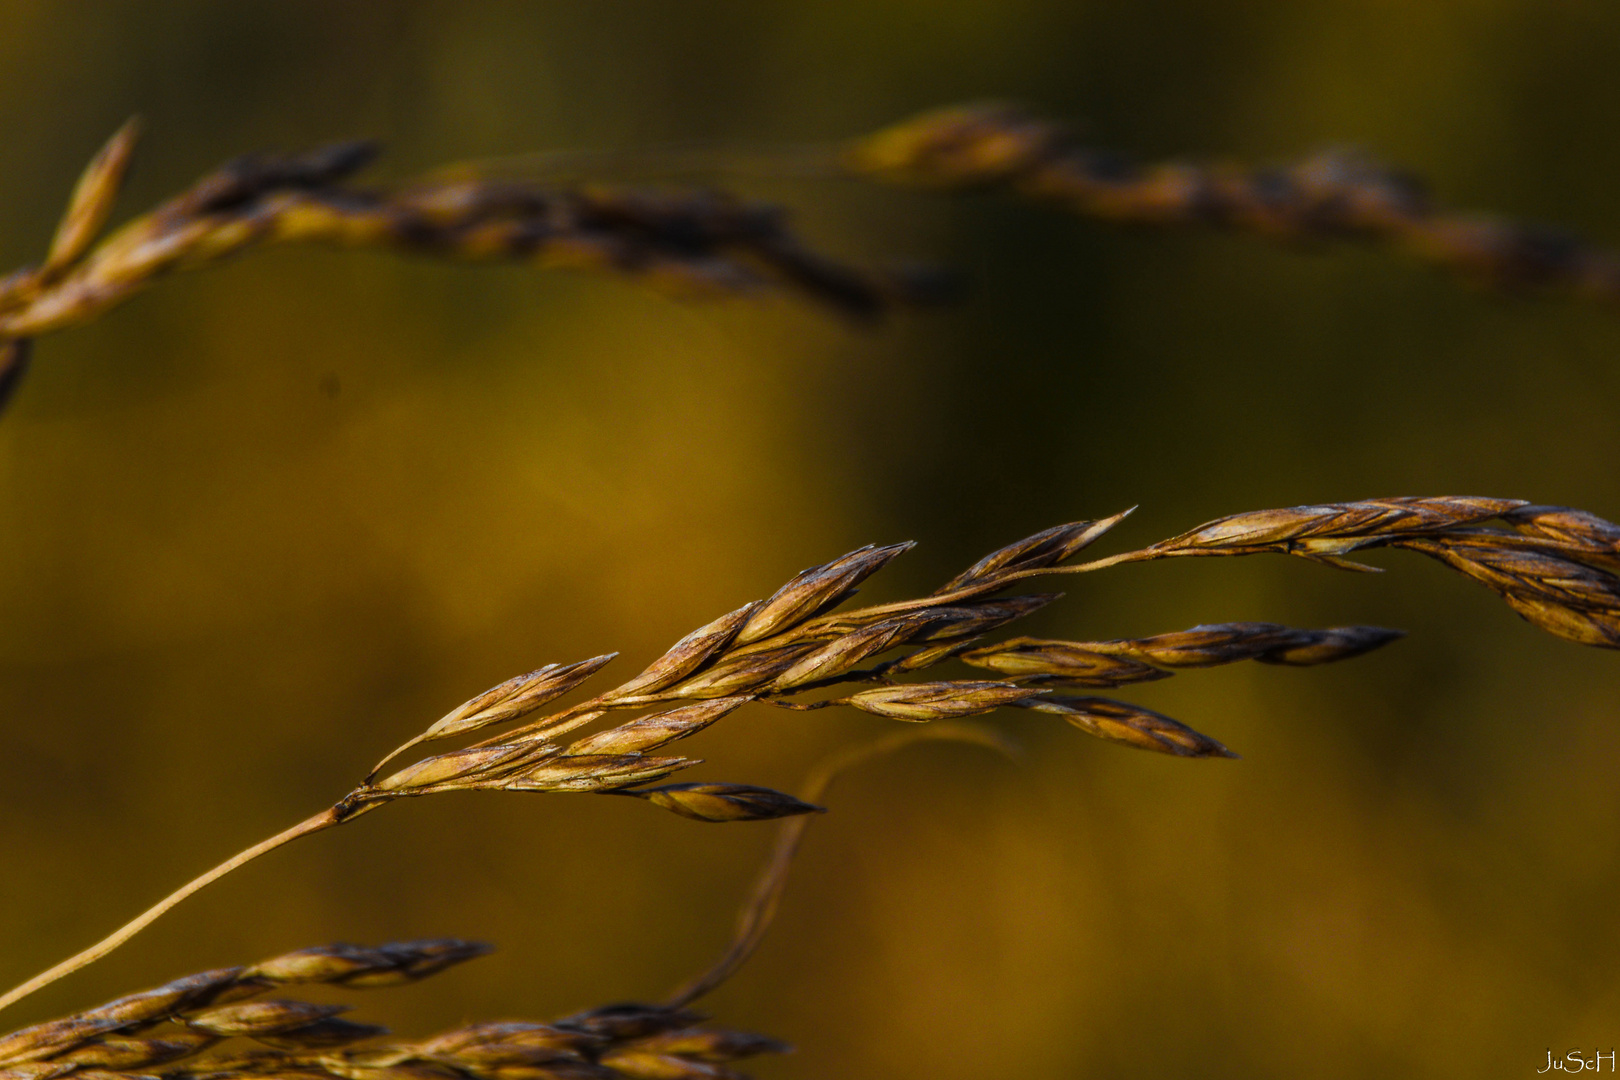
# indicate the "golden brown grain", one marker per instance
pixel 1553 565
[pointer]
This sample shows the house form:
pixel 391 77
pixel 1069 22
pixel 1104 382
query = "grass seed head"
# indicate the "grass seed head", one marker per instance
pixel 1063 662
pixel 1046 548
pixel 659 729
pixel 517 697
pixel 946 700
pixel 1119 721
pixel 815 590
pixel 689 653
pixel 91 203
pixel 725 802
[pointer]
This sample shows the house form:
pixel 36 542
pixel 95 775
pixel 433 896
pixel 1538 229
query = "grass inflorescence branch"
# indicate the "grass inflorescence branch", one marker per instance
pixel 688 241
pixel 1334 195
pixel 706 241
pixel 800 648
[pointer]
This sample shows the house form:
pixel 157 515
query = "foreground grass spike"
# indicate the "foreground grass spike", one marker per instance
pixel 1551 564
pixel 216 1024
pixel 1063 663
pixel 689 653
pixel 1329 196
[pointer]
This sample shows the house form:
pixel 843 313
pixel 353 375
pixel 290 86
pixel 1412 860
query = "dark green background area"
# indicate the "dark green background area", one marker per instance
pixel 224 590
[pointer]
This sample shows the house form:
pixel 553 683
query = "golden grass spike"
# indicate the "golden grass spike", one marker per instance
pixel 1551 567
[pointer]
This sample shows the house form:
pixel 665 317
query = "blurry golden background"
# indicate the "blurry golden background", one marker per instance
pixel 227 589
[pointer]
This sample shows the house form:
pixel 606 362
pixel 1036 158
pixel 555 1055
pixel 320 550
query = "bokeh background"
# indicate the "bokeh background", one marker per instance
pixel 267 521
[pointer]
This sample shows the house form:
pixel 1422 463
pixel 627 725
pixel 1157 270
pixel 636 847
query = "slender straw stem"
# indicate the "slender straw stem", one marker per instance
pixel 759 910
pixel 658 160
pixel 979 588
pixel 326 819
pixel 1139 555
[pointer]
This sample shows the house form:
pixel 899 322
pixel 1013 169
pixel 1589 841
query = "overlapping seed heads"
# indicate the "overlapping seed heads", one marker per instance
pixel 787 644
pixel 217 1025
pixel 214 993
pixel 1333 528
pixel 1555 567
pixel 1551 564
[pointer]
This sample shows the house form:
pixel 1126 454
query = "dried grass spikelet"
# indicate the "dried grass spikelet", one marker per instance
pixel 693 242
pixel 221 1023
pixel 1553 565
pixel 1119 662
pixel 1331 195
